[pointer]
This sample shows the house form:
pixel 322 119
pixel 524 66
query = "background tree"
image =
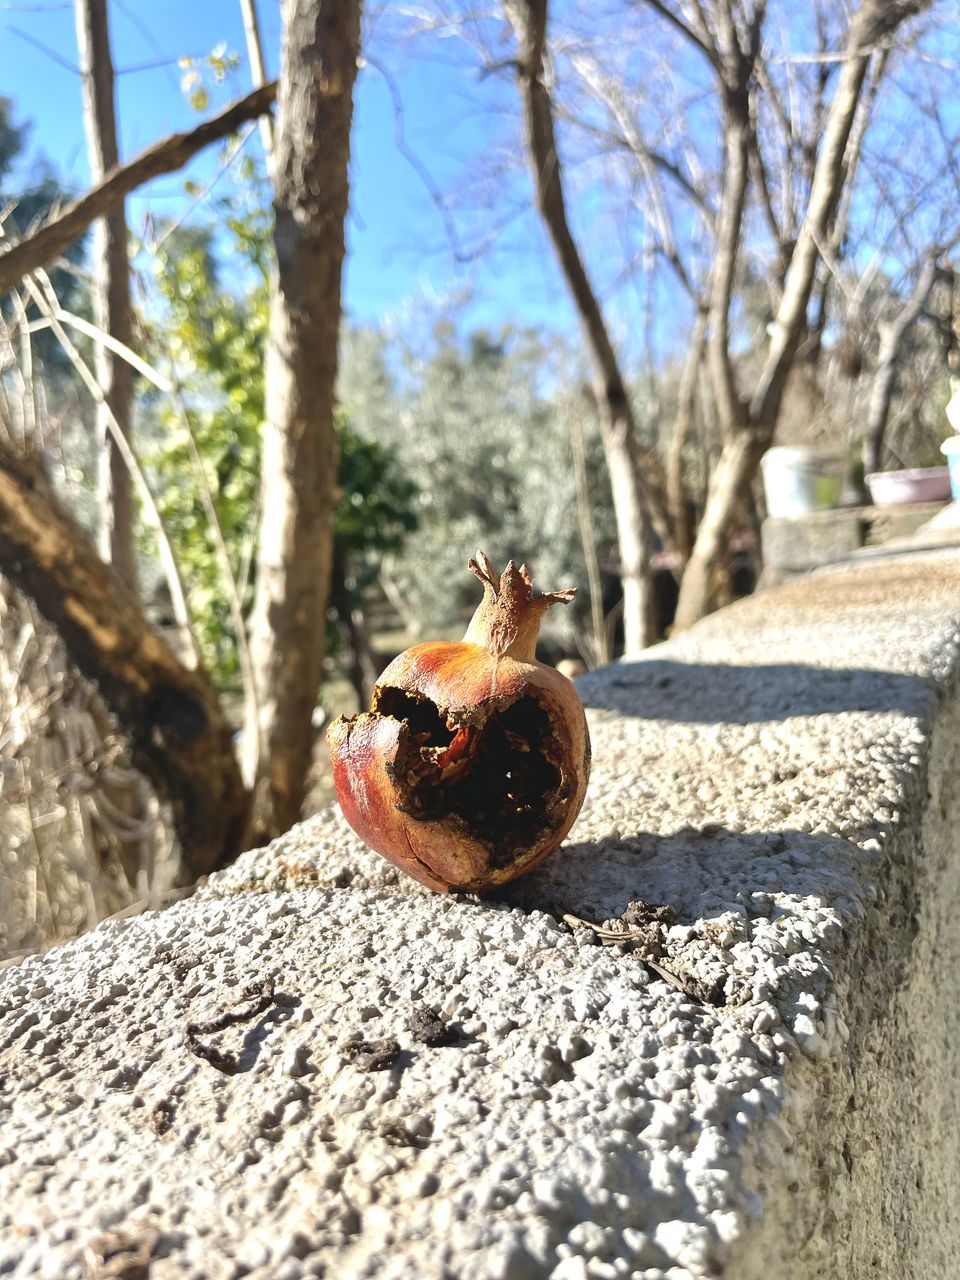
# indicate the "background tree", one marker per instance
pixel 178 730
pixel 635 481
pixel 482 420
pixel 110 277
pixel 752 422
pixel 771 211
pixel 299 467
pixel 214 335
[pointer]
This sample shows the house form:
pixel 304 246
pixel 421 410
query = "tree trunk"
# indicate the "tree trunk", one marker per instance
pixel 730 225
pixel 729 485
pixel 635 474
pixel 678 502
pixel 362 670
pixel 885 378
pixel 312 147
pixel 112 311
pixel 633 532
pixel 588 540
pixel 179 738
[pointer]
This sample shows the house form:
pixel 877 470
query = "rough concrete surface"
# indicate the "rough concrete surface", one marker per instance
pixel 314 1067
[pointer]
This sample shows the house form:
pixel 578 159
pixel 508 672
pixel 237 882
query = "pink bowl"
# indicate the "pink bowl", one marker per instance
pixel 923 484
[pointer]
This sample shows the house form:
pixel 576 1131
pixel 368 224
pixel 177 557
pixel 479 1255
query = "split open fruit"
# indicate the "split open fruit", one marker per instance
pixel 472 763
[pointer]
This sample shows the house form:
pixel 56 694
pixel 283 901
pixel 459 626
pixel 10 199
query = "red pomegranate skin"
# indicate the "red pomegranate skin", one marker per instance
pixel 472 764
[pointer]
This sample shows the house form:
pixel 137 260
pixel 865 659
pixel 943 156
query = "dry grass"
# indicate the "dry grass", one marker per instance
pixel 81 835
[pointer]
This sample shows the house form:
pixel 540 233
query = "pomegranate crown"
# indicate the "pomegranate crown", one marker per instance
pixel 507 620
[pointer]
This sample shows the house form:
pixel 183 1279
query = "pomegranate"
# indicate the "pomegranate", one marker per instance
pixel 472 762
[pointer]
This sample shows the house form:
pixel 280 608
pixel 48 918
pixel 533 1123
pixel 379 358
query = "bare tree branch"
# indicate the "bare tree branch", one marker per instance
pixel 892 335
pixel 699 39
pixel 683 421
pixel 166 156
pixel 873 20
pixel 634 143
pixel 737 466
pixel 46 300
pixel 736 73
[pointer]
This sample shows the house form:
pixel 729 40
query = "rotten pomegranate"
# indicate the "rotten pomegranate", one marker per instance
pixel 472 763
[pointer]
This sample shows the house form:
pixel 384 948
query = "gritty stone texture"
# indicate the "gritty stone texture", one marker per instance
pixel 315 1068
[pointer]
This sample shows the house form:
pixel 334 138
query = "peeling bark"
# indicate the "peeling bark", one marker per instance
pixel 179 738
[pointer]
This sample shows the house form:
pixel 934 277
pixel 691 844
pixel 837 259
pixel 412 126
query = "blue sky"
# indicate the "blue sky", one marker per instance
pixel 398 248
pixel 459 128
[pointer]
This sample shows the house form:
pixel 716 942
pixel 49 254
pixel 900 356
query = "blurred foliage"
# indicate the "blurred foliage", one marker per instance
pixel 26 203
pixel 12 137
pixel 214 335
pixel 482 421
pixel 219 61
pixel 376 508
pixel 216 342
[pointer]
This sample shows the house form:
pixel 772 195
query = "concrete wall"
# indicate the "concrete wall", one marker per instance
pixel 792 547
pixel 784 778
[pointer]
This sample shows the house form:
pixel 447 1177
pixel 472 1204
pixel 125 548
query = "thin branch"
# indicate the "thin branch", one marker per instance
pixel 235 152
pixel 855 148
pixel 414 161
pixel 52 54
pixel 48 303
pixel 657 158
pixel 258 73
pixel 171 388
pixel 708 50
pixel 166 156
pixel 98 335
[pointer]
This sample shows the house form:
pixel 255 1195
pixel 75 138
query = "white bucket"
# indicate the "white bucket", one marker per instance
pixel 951 448
pixel 798 479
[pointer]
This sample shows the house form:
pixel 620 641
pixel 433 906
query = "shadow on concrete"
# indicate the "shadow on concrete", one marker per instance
pixel 718 693
pixel 700 874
